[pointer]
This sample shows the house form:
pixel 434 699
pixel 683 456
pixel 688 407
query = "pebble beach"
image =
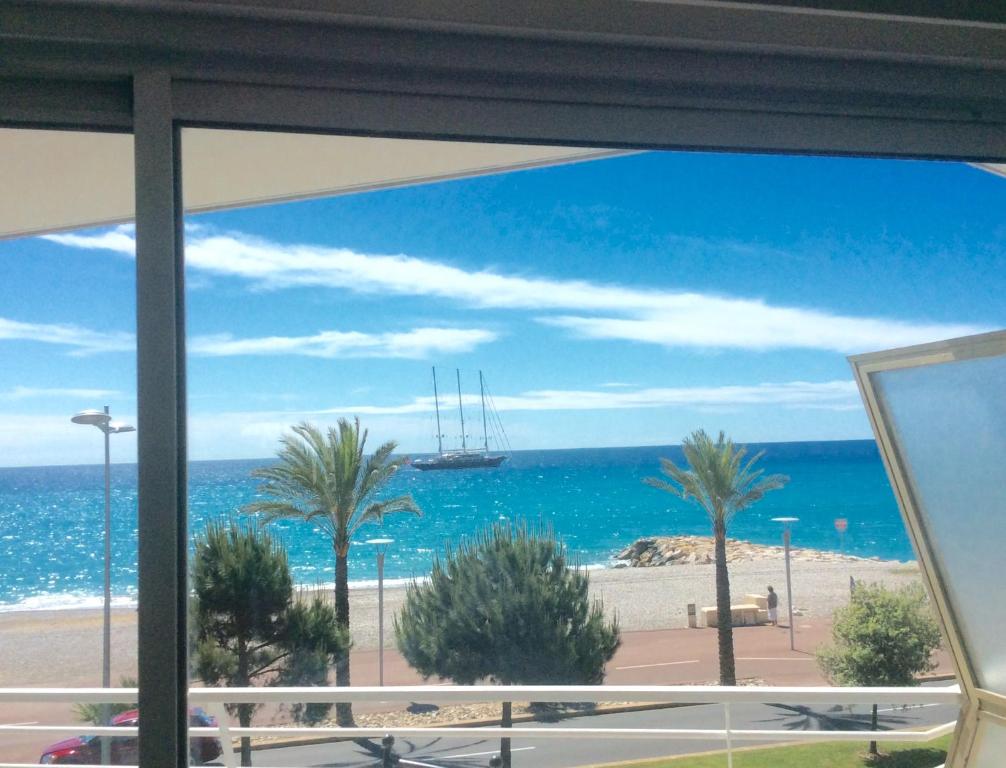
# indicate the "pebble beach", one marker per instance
pixel 643 598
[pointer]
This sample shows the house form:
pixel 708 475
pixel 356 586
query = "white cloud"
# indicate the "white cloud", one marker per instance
pixel 664 317
pixel 723 323
pixel 82 340
pixel 24 393
pixel 417 343
pixel 831 395
pixel 121 240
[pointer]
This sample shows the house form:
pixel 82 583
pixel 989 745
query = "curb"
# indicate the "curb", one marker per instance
pixel 691 755
pixel 711 752
pixel 308 741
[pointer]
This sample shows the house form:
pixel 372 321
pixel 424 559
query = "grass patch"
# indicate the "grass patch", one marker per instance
pixel 825 755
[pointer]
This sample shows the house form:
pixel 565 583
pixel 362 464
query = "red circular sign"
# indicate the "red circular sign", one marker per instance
pixel 841 524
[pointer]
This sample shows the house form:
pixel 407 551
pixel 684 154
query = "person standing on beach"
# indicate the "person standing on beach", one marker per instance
pixel 773 607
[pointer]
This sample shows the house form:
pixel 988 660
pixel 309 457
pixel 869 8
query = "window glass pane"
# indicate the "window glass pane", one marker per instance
pixel 950 424
pixel 990 744
pixel 67 352
pixel 603 307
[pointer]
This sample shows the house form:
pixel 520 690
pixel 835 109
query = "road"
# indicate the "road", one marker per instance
pixel 434 752
pixel 652 657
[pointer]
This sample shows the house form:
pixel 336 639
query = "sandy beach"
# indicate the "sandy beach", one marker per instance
pixel 63 648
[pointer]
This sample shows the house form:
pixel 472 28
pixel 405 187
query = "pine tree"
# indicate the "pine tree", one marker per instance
pixel 249 627
pixel 506 607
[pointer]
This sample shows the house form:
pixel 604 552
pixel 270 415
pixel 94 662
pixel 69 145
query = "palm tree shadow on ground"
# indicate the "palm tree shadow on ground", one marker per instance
pixel 798 717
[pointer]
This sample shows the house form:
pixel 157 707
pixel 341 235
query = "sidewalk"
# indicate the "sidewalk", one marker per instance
pixel 654 657
pixel 676 657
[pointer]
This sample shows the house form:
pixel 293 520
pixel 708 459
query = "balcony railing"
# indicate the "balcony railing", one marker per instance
pixel 213 700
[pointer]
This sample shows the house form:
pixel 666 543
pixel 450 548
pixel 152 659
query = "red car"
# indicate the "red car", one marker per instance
pixel 86 750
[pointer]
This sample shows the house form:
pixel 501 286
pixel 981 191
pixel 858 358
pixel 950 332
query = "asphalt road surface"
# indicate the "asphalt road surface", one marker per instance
pixel 435 752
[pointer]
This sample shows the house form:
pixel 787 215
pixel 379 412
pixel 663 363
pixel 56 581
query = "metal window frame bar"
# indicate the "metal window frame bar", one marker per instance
pixel 676 76
pixel 161 425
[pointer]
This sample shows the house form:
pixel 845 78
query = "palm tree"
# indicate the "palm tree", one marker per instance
pixel 325 479
pixel 721 483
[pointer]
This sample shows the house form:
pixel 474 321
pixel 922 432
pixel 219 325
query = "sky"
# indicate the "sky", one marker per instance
pixel 624 301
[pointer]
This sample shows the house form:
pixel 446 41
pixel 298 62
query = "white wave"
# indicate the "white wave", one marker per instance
pixel 67 601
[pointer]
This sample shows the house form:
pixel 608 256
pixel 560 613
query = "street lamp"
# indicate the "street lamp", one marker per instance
pixel 103 421
pixel 382 547
pixel 786 522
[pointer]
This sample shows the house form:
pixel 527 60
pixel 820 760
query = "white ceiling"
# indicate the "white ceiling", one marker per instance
pixel 61 180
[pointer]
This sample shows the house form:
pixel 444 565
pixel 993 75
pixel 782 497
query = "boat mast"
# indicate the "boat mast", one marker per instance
pixel 485 429
pixel 461 411
pixel 436 403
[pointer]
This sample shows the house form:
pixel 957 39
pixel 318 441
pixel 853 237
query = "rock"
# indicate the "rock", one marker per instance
pixel 653 551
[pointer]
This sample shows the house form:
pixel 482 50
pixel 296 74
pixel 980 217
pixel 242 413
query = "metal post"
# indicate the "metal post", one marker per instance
pixel 160 366
pixel 387 755
pixel 726 728
pixel 106 638
pixel 380 615
pixel 382 548
pixel 789 589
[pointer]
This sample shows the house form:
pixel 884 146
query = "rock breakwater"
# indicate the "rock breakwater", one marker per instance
pixel 698 550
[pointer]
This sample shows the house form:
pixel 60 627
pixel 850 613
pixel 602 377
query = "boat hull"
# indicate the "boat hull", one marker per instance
pixel 459 461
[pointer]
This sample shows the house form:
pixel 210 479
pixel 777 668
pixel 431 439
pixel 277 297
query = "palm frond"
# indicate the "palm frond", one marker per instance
pixel 717 478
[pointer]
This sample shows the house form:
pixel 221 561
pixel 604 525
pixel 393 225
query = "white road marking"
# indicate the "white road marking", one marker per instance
pixel 404 761
pixel 772 658
pixel 483 754
pixel 660 664
pixel 29 722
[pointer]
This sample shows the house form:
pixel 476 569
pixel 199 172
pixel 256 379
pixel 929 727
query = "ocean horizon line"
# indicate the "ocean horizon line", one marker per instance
pixel 646 446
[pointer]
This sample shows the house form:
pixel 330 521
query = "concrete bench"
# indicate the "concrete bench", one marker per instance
pixel 743 615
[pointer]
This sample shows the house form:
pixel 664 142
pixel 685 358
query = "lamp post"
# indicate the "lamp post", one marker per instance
pixel 382 547
pixel 103 421
pixel 786 522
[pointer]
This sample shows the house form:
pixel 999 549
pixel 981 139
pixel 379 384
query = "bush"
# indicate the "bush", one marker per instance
pixel 883 637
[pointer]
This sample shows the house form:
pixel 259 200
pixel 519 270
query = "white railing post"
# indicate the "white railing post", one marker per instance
pixel 219 711
pixel 726 728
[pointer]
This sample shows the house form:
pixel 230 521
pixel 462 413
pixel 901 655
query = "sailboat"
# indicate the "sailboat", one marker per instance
pixel 466 458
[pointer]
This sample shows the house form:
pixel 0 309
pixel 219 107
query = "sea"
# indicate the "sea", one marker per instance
pixel 51 518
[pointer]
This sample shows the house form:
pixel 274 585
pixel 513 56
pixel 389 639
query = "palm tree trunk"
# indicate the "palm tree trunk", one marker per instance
pixel 343 710
pixel 873 727
pixel 724 623
pixel 506 722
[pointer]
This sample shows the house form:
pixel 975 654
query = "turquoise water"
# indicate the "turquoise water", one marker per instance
pixel 51 517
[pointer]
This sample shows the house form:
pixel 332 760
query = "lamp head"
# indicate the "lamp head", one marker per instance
pixel 92 417
pixel 102 421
